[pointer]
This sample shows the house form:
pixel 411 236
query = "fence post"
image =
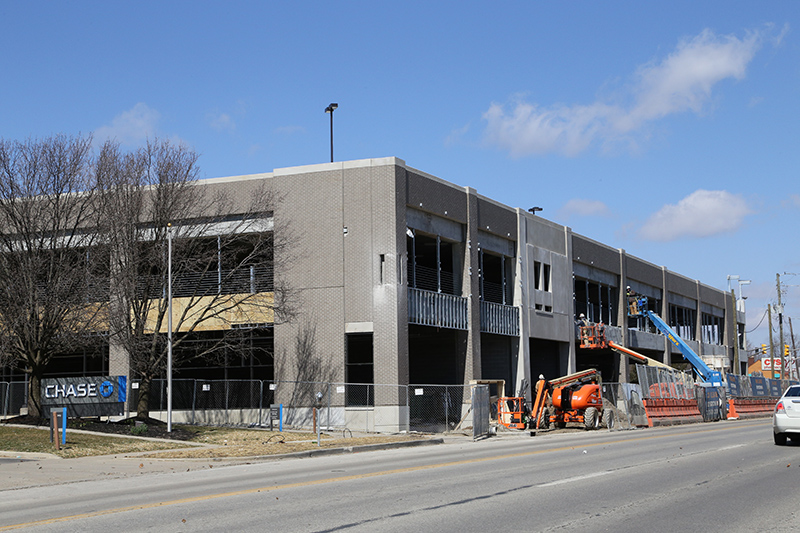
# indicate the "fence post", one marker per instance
pixel 194 399
pixel 329 406
pixel 227 412
pixel 260 401
pixel 446 409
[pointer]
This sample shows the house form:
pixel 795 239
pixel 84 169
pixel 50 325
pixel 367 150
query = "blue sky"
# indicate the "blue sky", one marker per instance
pixel 669 129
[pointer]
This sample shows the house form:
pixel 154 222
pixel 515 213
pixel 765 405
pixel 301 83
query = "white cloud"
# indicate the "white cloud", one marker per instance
pixel 683 81
pixel 130 127
pixel 222 122
pixel 584 208
pixel 529 129
pixel 456 135
pixel 792 201
pixel 701 214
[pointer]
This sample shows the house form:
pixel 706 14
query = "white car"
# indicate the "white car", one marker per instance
pixel 786 418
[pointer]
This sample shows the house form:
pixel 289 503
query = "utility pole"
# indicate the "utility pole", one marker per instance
pixel 794 351
pixel 780 321
pixel 771 344
pixel 736 366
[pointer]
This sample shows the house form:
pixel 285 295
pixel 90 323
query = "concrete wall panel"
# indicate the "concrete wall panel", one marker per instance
pixel 594 254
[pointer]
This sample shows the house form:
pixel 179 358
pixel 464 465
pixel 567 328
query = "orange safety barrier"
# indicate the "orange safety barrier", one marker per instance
pixel 668 412
pixel 751 407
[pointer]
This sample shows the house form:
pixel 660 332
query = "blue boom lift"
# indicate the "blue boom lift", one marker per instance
pixel 638 307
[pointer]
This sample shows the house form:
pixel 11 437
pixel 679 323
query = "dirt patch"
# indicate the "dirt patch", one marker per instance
pixel 210 442
pixel 274 444
pixel 140 427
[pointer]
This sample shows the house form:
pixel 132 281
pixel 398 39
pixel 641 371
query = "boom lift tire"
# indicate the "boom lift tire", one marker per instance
pixel 591 418
pixel 544 419
pixel 608 418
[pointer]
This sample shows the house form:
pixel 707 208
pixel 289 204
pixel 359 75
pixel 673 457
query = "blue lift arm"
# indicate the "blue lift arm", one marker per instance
pixel 714 377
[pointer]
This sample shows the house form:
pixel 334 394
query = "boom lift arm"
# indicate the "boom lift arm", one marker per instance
pixel 714 377
pixel 636 355
pixel 593 336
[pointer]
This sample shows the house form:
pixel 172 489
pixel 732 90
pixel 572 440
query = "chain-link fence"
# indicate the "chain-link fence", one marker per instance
pixel 756 386
pixel 711 402
pixel 355 406
pixel 657 382
pixel 13 397
pixel 480 411
pixel 437 408
pixel 622 406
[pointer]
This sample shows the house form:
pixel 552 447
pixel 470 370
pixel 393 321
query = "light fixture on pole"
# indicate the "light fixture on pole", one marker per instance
pixel 534 210
pixel 330 109
pixel 743 282
pixel 169 328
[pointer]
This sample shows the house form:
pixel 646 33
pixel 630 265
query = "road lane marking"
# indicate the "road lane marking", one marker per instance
pixel 573 479
pixel 208 497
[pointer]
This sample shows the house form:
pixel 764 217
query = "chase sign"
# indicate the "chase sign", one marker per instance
pixel 87 396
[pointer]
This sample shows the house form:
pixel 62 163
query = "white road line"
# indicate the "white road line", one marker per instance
pixel 577 478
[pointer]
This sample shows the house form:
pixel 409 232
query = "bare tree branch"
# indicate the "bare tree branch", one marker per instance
pixel 52 274
pixel 224 251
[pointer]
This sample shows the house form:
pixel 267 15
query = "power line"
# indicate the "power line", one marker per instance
pixel 759 323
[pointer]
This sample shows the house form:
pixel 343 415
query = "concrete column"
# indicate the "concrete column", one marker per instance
pixel 522 290
pixel 622 316
pixel 572 364
pixel 667 358
pixel 119 365
pixel 698 322
pixel 471 289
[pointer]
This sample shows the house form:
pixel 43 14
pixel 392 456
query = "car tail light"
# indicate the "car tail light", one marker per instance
pixel 779 408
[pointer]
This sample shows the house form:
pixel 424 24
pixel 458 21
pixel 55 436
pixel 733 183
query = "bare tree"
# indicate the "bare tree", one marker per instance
pixel 310 368
pixel 51 294
pixel 224 250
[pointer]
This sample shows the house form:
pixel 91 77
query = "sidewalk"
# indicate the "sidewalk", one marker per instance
pixel 21 470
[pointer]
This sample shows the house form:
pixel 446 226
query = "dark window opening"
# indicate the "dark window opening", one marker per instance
pixel 431 264
pixel 682 320
pixel 206 266
pixel 641 322
pixel 495 275
pixel 546 278
pixel 239 354
pixel 713 329
pixel 359 371
pixel 596 301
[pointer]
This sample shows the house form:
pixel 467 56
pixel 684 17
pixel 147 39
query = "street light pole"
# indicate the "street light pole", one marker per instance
pixel 330 109
pixel 169 328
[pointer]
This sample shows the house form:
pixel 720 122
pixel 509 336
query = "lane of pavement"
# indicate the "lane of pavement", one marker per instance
pixel 493 458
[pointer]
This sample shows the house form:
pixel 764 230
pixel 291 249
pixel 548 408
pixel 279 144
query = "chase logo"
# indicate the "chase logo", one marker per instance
pixel 106 389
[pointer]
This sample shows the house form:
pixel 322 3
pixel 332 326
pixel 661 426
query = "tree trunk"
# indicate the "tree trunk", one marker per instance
pixel 142 405
pixel 35 395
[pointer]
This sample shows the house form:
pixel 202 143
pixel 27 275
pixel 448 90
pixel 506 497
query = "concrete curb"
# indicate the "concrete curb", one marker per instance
pixel 298 455
pixel 28 456
pixel 345 449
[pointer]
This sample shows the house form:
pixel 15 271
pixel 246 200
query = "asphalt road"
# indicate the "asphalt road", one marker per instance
pixel 725 476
